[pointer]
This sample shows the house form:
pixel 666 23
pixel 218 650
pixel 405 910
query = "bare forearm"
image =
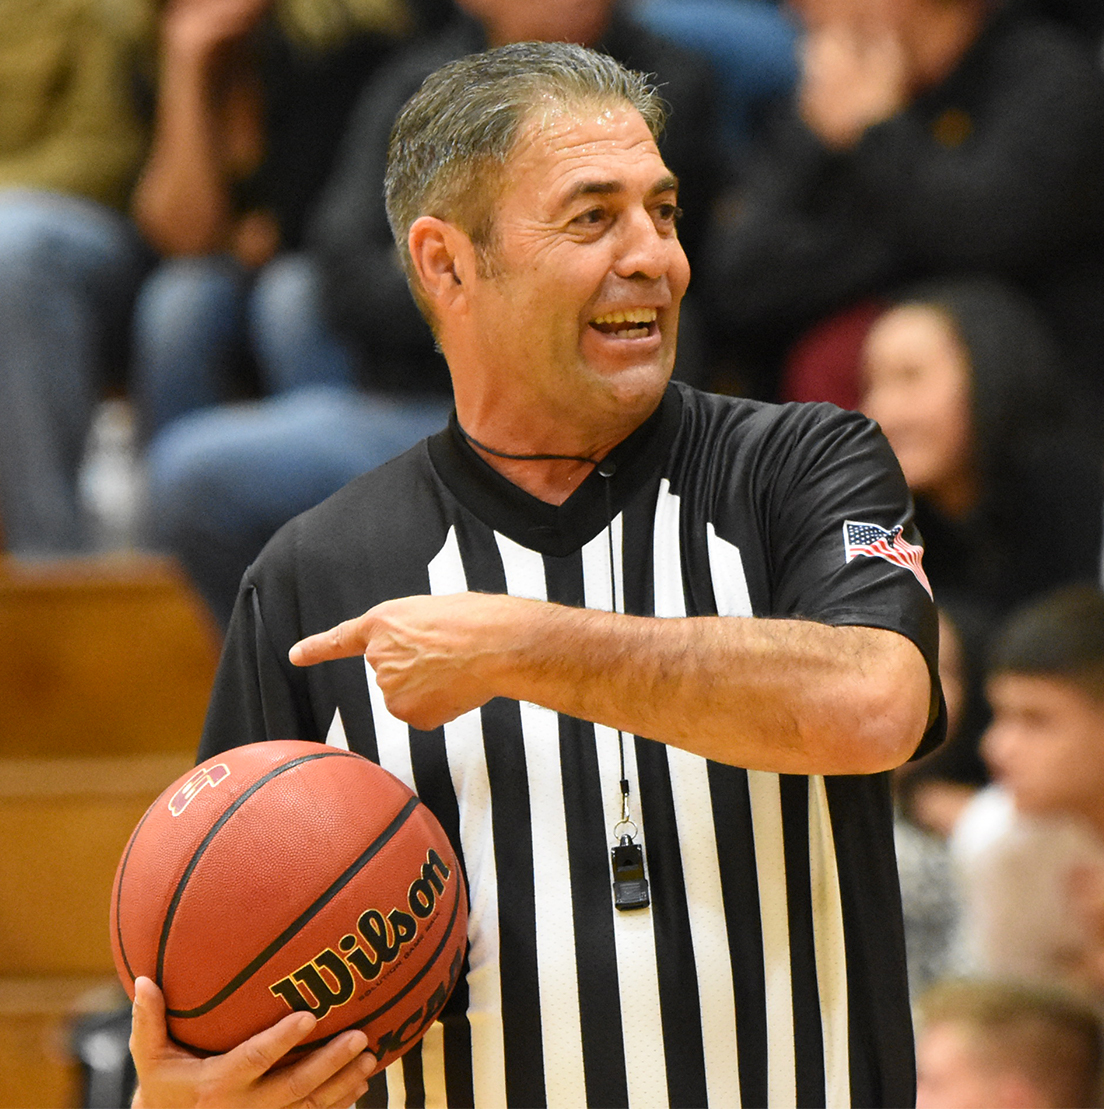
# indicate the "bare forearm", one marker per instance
pixel 181 201
pixel 784 695
pixel 209 127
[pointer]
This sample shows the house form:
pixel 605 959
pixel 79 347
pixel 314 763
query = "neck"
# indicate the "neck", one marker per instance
pixel 536 439
pixel 548 476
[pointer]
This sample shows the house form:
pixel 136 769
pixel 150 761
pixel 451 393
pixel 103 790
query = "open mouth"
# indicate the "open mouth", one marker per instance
pixel 632 323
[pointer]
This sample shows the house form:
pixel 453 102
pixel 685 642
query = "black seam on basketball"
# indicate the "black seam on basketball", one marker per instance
pixel 166 924
pixel 250 969
pixel 119 891
pixel 431 962
pixel 310 1045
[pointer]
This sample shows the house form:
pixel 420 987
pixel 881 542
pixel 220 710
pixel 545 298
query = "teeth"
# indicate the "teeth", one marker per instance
pixel 632 315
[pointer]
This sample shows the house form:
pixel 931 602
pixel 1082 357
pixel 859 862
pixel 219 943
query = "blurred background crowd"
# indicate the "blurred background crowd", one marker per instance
pixel 893 205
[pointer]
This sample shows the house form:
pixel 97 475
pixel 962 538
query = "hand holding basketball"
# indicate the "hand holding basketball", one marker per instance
pixel 284 880
pixel 171 1078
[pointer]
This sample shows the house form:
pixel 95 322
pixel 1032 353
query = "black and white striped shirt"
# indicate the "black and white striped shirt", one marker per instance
pixel 769 968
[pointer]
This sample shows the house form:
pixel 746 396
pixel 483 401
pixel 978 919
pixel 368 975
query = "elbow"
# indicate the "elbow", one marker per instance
pixel 892 733
pixel 895 710
pixel 879 711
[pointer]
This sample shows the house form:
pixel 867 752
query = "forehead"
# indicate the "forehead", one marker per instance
pixel 919 336
pixel 559 148
pixel 1014 692
pixel 912 324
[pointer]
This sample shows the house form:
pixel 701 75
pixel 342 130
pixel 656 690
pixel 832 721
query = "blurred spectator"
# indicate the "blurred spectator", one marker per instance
pixel 752 46
pixel 72 137
pixel 929 903
pixel 1086 16
pixel 252 100
pixel 965 381
pixel 929 795
pixel 223 482
pixel 1031 847
pixel 999 1045
pixel 926 138
pixel 823 364
pixel 933 791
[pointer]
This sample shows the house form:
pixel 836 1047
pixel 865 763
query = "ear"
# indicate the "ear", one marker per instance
pixel 443 259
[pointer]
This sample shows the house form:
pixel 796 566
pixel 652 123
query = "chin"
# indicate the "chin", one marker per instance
pixel 637 401
pixel 645 378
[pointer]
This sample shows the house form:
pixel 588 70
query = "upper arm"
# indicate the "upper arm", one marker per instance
pixel 257 694
pixel 840 469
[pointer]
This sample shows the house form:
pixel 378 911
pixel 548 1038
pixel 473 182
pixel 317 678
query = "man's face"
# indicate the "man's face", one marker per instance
pixel 576 318
pixel 1045 744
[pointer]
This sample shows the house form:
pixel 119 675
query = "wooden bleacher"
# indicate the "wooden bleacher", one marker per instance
pixel 105 669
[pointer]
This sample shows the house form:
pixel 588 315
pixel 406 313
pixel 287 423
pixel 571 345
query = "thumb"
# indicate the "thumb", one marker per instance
pixel 148 1033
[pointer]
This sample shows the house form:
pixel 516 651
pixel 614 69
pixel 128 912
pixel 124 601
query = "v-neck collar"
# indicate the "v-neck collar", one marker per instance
pixel 556 530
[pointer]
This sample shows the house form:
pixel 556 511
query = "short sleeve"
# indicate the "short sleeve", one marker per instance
pixel 257 695
pixel 843 544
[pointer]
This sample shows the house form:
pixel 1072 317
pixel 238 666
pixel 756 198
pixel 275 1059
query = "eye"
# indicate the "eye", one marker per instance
pixel 592 217
pixel 668 214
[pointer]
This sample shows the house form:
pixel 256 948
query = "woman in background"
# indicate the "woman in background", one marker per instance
pixel 966 383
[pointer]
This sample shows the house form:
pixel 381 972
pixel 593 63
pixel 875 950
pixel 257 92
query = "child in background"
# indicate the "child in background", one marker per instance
pixel 999 1045
pixel 1030 848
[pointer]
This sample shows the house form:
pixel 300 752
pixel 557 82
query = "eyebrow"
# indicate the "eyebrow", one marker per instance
pixel 667 183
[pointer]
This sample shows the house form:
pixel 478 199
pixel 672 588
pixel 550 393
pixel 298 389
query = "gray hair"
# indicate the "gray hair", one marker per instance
pixel 451 141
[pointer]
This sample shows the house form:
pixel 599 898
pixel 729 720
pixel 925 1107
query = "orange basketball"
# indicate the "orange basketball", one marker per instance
pixel 288 875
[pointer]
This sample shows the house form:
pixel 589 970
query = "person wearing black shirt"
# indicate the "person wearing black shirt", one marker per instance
pixel 601 610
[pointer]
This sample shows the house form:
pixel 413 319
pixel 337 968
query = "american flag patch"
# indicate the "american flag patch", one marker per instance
pixel 870 539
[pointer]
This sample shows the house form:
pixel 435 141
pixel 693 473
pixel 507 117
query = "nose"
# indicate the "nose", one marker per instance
pixel 645 252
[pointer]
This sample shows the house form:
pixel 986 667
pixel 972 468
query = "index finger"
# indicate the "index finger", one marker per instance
pixel 343 640
pixel 260 1053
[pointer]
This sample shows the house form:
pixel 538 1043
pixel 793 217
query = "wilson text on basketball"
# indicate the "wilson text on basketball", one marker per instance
pixel 329 979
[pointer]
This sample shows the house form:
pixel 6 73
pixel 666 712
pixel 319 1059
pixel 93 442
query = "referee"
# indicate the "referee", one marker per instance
pixel 648 654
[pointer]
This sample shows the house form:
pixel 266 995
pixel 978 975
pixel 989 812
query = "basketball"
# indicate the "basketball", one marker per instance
pixel 286 876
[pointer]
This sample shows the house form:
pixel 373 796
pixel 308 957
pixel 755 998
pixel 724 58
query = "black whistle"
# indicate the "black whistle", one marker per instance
pixel 630 887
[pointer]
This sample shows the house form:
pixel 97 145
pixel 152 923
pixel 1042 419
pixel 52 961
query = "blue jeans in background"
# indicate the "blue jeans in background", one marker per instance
pixel 201 322
pixel 222 481
pixel 69 269
pixel 751 44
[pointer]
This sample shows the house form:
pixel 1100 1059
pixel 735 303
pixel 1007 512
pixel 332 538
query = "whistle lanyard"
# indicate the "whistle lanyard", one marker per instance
pixel 630 884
